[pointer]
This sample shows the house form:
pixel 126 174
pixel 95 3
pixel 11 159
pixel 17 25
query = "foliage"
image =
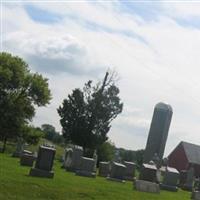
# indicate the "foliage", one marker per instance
pixel 86 114
pixel 31 135
pixel 20 91
pixel 106 151
pixel 51 134
pixel 127 155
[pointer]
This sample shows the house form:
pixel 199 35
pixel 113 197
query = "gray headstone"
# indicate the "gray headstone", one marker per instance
pixel 117 171
pixel 19 147
pixel 86 167
pixel 44 162
pixel 73 158
pixel 146 186
pixel 130 170
pixel 195 195
pixel 104 169
pixel 158 132
pixel 148 173
pixel 189 179
pixel 95 157
pixel 170 179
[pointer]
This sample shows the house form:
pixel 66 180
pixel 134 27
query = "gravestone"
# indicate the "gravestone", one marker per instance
pixel 146 186
pixel 104 169
pixel 148 173
pixel 170 179
pixel 196 191
pixel 117 172
pixel 130 170
pixel 158 132
pixel 95 157
pixel 73 158
pixel 86 167
pixel 44 162
pixel 187 179
pixel 27 158
pixel 67 158
pixel 19 147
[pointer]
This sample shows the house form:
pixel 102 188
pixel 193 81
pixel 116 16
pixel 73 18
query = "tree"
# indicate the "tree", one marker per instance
pixel 31 135
pixel 86 114
pixel 106 151
pixel 20 91
pixel 51 134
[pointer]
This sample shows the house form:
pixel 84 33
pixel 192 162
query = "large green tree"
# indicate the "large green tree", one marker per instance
pixel 86 114
pixel 20 92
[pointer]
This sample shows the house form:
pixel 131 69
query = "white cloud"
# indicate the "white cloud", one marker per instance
pixel 158 61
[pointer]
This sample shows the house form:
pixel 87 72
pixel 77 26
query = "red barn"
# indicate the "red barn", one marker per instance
pixel 185 155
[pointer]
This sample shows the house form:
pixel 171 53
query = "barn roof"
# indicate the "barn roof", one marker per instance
pixel 192 152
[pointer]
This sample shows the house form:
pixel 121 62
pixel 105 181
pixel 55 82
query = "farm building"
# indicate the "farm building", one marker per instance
pixel 185 155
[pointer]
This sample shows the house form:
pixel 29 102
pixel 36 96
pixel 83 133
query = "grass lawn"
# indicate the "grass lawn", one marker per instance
pixel 16 184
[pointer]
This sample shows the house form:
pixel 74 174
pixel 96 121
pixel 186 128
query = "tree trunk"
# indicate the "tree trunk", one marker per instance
pixel 4 144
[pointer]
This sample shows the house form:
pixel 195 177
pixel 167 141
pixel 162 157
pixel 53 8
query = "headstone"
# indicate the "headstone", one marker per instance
pixel 27 158
pixel 117 172
pixel 67 158
pixel 148 173
pixel 44 162
pixel 95 157
pixel 189 179
pixel 130 170
pixel 86 167
pixel 73 159
pixel 19 147
pixel 146 186
pixel 195 195
pixel 196 192
pixel 104 169
pixel 170 179
pixel 158 132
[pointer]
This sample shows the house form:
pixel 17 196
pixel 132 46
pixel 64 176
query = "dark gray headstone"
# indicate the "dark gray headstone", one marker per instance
pixel 158 132
pixel 104 169
pixel 27 159
pixel 130 170
pixel 148 173
pixel 44 162
pixel 117 172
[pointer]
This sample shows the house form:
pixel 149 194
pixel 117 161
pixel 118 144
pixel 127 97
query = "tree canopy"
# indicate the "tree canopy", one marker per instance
pixel 86 114
pixel 51 134
pixel 20 91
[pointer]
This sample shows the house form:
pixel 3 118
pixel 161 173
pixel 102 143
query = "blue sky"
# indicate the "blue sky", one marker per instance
pixel 154 47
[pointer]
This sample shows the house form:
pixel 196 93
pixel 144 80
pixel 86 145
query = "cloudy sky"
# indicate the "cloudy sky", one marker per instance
pixel 154 47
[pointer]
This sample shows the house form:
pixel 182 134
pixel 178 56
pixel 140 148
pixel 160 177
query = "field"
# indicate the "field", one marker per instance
pixel 15 184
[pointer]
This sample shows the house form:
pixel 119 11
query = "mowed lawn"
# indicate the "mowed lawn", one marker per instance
pixel 16 184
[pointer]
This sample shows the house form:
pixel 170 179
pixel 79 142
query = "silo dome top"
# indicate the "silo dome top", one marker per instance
pixel 164 106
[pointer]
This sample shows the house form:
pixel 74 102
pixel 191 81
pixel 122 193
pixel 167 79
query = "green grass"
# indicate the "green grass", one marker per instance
pixel 16 184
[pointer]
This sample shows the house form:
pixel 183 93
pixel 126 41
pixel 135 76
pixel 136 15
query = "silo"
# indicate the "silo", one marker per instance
pixel 158 132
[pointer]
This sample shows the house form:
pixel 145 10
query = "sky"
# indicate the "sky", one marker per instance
pixel 153 45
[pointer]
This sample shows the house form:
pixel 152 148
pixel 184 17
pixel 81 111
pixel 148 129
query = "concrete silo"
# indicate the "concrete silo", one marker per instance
pixel 158 132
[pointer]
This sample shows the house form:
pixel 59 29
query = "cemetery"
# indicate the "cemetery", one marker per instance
pixel 39 175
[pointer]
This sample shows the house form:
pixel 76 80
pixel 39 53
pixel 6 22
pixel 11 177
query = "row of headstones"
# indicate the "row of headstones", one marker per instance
pixel 152 179
pixel 149 178
pixel 75 161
